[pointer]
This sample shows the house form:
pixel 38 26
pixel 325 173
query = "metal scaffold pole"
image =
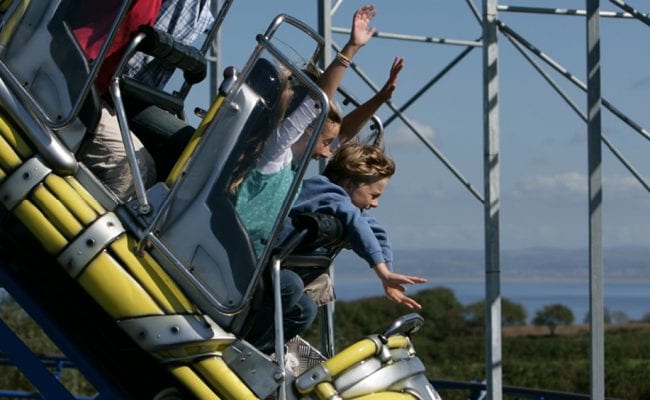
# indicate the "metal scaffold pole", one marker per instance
pixel 214 56
pixel 325 30
pixel 594 116
pixel 491 197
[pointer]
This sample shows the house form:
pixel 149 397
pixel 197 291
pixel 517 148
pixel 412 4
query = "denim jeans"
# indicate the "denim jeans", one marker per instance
pixel 299 311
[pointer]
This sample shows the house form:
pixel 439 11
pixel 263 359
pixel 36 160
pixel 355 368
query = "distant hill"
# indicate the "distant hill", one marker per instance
pixel 625 262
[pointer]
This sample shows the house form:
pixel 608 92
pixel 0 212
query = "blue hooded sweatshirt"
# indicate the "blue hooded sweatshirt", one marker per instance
pixel 362 231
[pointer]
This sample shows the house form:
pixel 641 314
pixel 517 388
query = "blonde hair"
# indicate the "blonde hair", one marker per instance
pixel 360 163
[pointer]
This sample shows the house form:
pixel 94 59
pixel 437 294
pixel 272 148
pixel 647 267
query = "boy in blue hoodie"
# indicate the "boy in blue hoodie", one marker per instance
pixel 351 185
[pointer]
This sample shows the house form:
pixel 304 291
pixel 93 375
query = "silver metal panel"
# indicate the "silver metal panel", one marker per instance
pixel 356 373
pixel 163 332
pixel 25 178
pixel 89 243
pixel 418 386
pixel 260 374
pixel 385 377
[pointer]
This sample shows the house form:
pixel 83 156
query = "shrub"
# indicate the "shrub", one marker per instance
pixel 512 313
pixel 552 316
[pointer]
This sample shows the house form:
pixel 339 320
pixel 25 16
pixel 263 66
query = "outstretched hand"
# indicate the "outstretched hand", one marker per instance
pixel 394 288
pixel 386 92
pixel 361 33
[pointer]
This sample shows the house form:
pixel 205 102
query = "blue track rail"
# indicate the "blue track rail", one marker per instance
pixel 34 367
pixel 31 366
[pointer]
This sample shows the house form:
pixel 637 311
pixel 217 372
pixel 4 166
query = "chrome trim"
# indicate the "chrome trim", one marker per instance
pixel 278 326
pixel 89 243
pixel 17 186
pixel 282 18
pixel 408 324
pixel 140 191
pixel 46 143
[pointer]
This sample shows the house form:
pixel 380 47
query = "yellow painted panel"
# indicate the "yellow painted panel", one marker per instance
pixel 9 160
pixel 168 285
pixel 14 139
pixel 115 290
pixel 398 342
pixel 2 175
pixel 217 373
pixel 4 5
pixel 193 383
pixel 10 26
pixel 194 141
pixel 164 292
pixel 56 212
pixel 81 191
pixel 41 228
pixel 69 197
pixel 325 391
pixel 360 351
pixel 351 355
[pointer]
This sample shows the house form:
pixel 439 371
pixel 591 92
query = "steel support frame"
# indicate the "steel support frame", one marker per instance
pixel 325 12
pixel 595 192
pixel 491 204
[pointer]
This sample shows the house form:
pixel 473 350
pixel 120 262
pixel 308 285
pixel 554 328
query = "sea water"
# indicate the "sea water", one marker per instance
pixel 630 297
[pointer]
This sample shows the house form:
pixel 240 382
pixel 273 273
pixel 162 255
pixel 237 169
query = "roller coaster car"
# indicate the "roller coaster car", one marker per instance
pixel 174 276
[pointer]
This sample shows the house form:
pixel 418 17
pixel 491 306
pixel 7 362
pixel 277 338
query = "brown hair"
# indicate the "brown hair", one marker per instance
pixel 360 163
pixel 256 139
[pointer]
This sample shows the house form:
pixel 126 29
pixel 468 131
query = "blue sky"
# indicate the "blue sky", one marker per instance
pixel 543 142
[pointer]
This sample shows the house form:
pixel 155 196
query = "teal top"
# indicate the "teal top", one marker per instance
pixel 264 189
pixel 259 200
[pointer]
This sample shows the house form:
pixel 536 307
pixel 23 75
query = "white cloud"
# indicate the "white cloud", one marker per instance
pixel 404 136
pixel 621 184
pixel 571 183
pixel 574 185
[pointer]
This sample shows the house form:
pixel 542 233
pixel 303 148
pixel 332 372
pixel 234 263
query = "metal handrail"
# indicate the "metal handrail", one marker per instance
pixel 477 390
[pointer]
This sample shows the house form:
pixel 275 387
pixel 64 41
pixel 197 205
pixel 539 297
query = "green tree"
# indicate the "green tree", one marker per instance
pixel 646 317
pixel 553 315
pixel 442 313
pixel 512 313
pixel 620 317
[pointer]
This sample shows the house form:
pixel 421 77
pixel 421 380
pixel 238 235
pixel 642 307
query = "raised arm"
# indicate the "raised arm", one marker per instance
pixel 331 78
pixel 356 119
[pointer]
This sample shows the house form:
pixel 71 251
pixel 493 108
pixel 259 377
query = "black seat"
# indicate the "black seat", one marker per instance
pixel 202 227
